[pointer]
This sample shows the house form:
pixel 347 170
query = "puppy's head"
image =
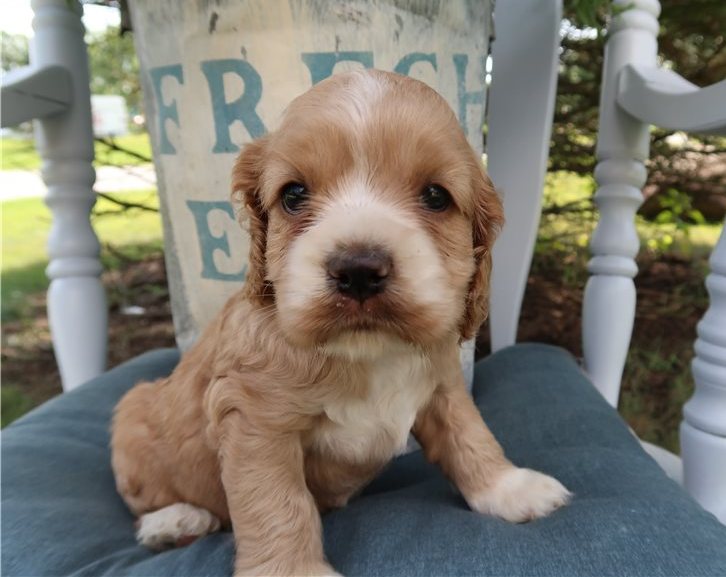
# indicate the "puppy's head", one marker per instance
pixel 371 217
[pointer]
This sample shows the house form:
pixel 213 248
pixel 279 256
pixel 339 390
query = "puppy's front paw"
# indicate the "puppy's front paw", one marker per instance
pixel 519 495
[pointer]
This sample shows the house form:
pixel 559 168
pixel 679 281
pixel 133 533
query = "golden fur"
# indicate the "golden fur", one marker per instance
pixel 296 396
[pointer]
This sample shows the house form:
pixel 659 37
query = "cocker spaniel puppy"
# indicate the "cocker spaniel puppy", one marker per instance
pixel 372 223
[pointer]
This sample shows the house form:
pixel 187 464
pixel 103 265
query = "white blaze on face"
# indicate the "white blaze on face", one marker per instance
pixel 357 216
pixel 360 98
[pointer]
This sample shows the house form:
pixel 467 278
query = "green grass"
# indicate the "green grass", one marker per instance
pixel 655 415
pixel 26 225
pixel 561 231
pixel 14 404
pixel 138 143
pixel 20 154
pixel 25 228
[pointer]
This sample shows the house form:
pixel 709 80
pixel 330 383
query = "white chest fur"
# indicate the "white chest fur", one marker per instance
pixel 377 426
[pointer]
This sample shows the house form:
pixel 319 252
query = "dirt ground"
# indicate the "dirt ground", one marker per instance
pixel 656 383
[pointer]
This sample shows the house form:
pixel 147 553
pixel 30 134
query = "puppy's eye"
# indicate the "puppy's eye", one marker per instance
pixel 435 198
pixel 293 197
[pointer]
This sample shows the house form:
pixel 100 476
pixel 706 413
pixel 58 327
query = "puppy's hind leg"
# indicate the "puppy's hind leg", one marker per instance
pixel 143 480
pixel 141 475
pixel 175 526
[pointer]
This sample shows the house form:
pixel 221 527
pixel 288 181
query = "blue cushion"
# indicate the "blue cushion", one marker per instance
pixel 61 514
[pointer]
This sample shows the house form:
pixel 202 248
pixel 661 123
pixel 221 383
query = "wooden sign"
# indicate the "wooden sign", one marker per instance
pixel 219 74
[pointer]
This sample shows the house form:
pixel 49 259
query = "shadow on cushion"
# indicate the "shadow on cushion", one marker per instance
pixel 61 514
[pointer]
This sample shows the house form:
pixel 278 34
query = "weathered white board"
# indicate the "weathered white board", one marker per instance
pixel 217 74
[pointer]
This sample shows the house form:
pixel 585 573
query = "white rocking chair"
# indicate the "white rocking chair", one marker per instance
pixel 627 517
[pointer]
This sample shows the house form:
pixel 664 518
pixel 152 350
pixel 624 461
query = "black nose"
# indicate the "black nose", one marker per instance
pixel 359 273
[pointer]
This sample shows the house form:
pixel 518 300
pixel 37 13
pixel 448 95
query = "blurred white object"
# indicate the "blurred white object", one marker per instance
pixel 110 115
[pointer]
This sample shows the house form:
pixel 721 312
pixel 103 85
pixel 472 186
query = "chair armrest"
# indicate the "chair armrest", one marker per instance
pixel 663 98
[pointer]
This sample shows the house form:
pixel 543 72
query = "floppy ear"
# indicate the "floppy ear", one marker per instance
pixel 488 219
pixel 251 215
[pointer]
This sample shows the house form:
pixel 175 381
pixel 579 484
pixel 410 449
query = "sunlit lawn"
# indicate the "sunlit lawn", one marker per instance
pixel 570 190
pixel 20 154
pixel 25 227
pixel 26 224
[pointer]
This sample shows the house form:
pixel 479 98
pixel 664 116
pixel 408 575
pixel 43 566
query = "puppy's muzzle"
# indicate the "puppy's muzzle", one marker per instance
pixel 359 273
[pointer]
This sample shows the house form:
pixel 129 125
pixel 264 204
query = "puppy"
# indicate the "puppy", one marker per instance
pixel 371 223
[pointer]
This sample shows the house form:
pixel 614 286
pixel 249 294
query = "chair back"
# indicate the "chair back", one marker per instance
pixel 521 108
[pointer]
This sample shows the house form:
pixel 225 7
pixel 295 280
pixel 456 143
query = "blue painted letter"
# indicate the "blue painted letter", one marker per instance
pixel 461 61
pixel 165 111
pixel 243 109
pixel 208 243
pixel 321 64
pixel 404 65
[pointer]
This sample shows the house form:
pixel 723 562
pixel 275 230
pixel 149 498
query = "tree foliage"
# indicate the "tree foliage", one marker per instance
pixel 114 66
pixel 13 51
pixel 692 41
